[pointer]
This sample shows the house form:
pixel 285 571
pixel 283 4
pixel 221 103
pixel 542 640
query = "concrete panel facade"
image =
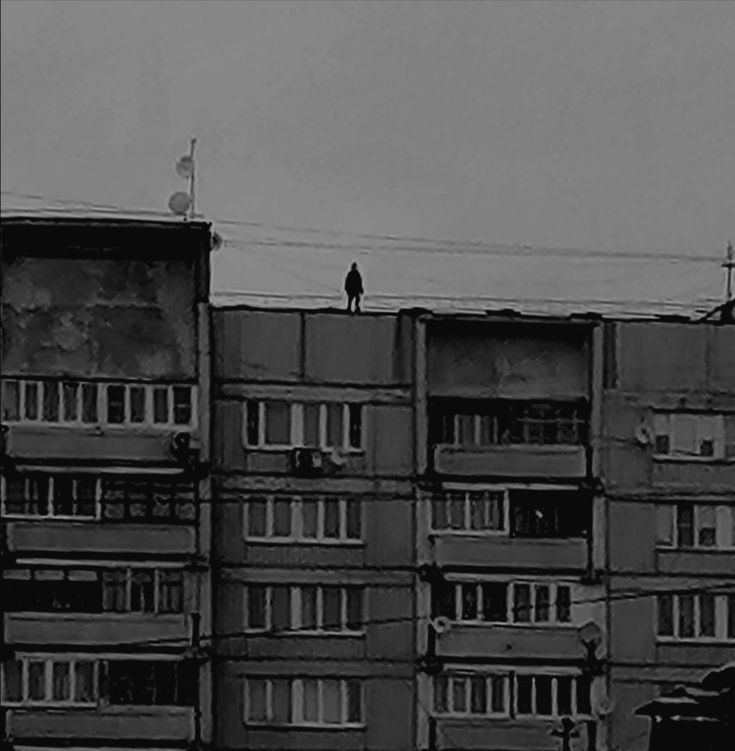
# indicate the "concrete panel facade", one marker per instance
pixel 680 369
pixel 98 481
pixel 300 358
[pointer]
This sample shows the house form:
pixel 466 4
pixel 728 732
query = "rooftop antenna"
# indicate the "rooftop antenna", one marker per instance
pixel 729 265
pixel 182 203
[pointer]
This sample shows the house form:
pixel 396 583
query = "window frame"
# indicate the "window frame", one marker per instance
pixel 51 477
pixel 296 610
pixel 724 526
pixel 722 626
pixel 504 416
pixel 296 689
pixel 466 530
pixel 101 400
pixel 664 424
pixel 130 572
pixel 510 608
pixel 297 432
pixel 554 675
pixel 297 520
pixel 48 700
pixel 452 676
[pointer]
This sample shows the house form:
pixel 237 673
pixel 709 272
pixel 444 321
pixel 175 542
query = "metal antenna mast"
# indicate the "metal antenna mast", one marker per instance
pixel 729 265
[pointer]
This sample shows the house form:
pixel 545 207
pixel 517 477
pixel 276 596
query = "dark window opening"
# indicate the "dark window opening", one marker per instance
pixel 116 404
pixel 549 514
pixel 182 405
pixel 144 683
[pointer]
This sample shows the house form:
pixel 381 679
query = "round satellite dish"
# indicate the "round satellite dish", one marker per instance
pixel 179 203
pixel 590 633
pixel 185 167
pixel 441 624
pixel 216 241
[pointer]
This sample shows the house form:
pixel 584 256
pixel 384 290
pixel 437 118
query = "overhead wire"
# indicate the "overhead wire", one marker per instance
pixel 446 244
pixel 633 593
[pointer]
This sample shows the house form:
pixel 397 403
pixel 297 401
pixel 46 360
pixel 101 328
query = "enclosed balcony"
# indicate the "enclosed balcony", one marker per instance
pixel 98 514
pixel 508 438
pixel 57 420
pixel 505 527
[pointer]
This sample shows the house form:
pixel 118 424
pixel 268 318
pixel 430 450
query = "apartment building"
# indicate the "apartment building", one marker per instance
pixel 313 548
pixel 508 535
pixel 669 474
pixel 104 487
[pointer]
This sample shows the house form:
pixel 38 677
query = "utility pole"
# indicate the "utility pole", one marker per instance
pixel 729 265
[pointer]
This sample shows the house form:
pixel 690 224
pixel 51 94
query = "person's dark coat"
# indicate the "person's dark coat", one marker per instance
pixel 353 283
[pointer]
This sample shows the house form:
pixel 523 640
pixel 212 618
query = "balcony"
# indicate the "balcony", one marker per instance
pixel 526 732
pixel 569 554
pixel 519 460
pixel 118 722
pixel 51 420
pixel 510 641
pixel 56 537
pixel 87 629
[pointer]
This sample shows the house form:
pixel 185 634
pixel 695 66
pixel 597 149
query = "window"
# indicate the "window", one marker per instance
pixel 686 435
pixel 50 495
pixel 142 590
pixel 695 525
pixel 72 403
pixel 471 695
pixel 148 500
pixel 312 519
pixel 469 511
pixel 550 695
pixel 52 590
pixel 329 702
pixel 151 683
pixel 305 609
pixel 281 424
pixel 470 423
pixel 550 514
pixel 57 681
pixel 700 616
pixel 503 602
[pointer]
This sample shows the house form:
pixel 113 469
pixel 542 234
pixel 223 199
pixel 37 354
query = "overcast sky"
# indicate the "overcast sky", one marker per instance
pixel 607 126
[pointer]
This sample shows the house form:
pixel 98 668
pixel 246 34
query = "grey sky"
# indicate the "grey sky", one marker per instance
pixel 594 125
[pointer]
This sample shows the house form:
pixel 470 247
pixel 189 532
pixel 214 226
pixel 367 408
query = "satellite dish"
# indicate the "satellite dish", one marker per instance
pixel 441 624
pixel 185 167
pixel 179 203
pixel 216 241
pixel 643 435
pixel 590 634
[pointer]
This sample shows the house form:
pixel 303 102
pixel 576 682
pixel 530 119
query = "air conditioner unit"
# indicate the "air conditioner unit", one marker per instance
pixel 307 461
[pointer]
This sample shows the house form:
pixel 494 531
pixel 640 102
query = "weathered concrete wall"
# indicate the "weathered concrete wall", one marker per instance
pixel 675 357
pixel 312 347
pixel 88 317
pixel 388 698
pixel 506 362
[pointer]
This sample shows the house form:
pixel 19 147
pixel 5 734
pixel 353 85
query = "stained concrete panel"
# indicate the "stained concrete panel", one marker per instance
pixel 87 317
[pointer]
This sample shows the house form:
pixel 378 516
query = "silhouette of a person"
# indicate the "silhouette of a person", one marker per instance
pixel 353 288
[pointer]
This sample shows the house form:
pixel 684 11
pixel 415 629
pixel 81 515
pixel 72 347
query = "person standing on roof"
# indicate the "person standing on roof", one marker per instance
pixel 353 288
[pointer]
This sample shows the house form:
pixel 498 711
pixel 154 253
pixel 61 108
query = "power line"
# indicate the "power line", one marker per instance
pixel 445 245
pixel 623 595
